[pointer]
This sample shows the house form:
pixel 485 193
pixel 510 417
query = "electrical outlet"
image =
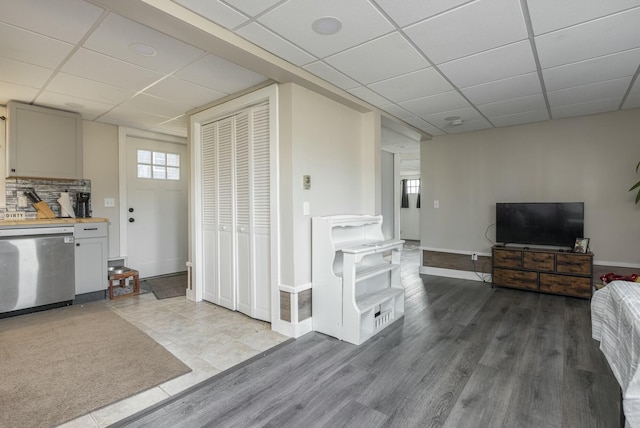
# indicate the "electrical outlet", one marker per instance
pixel 474 256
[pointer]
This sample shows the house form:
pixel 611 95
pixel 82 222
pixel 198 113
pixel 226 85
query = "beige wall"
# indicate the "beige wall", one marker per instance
pixel 330 142
pixel 100 156
pixel 588 159
pixel 3 162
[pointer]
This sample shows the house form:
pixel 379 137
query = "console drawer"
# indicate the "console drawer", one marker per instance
pixel 515 278
pixel 573 263
pixel 539 261
pixel 507 258
pixel 564 284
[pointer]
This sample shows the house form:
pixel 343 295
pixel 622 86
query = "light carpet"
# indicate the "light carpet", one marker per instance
pixel 63 363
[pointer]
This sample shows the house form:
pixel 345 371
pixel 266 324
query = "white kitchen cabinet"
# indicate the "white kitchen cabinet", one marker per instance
pixel 43 142
pixel 91 252
pixel 356 277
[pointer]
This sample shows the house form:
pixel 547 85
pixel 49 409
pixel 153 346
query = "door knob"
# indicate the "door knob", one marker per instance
pixel 131 219
pixel 130 210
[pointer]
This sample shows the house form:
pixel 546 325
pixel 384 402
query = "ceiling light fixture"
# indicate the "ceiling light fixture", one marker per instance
pixel 142 49
pixel 327 25
pixel 454 120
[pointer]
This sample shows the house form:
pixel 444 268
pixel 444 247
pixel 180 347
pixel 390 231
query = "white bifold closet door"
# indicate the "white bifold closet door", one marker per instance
pixel 236 211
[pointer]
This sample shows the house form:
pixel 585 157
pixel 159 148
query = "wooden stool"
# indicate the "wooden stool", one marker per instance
pixel 120 280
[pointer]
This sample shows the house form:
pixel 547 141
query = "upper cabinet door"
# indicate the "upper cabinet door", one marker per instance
pixel 43 142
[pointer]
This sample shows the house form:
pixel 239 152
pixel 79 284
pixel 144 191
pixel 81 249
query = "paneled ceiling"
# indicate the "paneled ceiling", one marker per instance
pixel 441 66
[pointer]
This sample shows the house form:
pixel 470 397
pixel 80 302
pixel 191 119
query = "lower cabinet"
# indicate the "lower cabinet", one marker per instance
pixel 91 254
pixel 547 271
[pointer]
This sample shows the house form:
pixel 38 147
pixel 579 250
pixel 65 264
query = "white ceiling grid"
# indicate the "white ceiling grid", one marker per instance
pixel 491 62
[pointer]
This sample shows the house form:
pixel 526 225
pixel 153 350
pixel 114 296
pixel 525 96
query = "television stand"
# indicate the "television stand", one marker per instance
pixel 545 271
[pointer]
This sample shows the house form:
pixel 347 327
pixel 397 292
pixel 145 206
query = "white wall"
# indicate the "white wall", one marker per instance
pixel 3 154
pixel 100 157
pixel 588 159
pixel 388 197
pixel 330 142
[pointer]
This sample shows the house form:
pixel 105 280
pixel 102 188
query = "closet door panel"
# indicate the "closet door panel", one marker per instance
pixel 261 211
pixel 225 204
pixel 262 272
pixel 209 212
pixel 242 212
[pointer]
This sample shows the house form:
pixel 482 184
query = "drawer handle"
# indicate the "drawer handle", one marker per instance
pixel 90 228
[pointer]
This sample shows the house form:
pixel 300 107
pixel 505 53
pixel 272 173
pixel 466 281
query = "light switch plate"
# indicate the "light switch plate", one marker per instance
pixel 109 202
pixel 305 208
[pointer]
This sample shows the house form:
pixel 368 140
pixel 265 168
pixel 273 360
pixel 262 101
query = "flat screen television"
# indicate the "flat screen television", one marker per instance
pixel 540 223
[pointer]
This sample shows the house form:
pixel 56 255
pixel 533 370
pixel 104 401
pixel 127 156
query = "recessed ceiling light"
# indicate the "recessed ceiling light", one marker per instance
pixel 327 25
pixel 142 49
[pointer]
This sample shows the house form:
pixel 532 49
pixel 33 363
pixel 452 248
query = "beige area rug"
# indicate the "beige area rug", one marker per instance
pixel 63 363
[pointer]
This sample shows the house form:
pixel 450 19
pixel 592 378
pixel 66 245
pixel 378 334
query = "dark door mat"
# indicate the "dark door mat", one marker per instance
pixel 166 286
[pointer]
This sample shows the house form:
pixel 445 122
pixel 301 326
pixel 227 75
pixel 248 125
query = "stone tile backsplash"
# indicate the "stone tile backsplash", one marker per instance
pixel 47 189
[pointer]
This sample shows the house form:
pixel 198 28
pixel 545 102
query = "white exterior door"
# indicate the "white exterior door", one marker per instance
pixel 157 210
pixel 236 212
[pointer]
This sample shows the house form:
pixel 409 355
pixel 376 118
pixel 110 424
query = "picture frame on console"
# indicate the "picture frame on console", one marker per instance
pixel 581 245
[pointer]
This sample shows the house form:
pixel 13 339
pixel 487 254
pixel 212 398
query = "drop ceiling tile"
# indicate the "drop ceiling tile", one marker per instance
pixel 220 75
pixel 22 73
pixel 467 114
pixel 252 7
pixel 582 109
pixel 521 118
pixel 615 33
pixel 514 105
pixel 397 111
pixel 66 20
pixel 425 126
pixel 369 96
pixel 360 22
pixel 11 91
pixel 26 46
pixel 499 90
pixel 94 66
pixel 177 126
pixel 331 75
pixel 441 102
pixel 88 89
pixel 116 35
pixel 183 92
pixel 592 70
pixel 134 118
pixel 275 44
pixel 632 101
pixel 214 11
pixel 475 27
pixel 591 92
pixel 409 11
pixel 496 64
pixel 417 84
pixel 155 105
pixel 365 63
pixel 90 110
pixel 550 15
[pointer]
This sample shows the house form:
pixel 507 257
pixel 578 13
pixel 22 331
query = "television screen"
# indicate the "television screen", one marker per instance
pixel 540 223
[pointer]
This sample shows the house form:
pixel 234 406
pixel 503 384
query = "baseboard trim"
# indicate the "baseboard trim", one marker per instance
pixel 295 330
pixel 459 274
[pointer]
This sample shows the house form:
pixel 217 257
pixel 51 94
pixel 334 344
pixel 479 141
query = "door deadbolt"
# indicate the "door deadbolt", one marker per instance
pixel 131 219
pixel 130 210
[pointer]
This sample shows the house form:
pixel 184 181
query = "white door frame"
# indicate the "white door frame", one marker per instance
pixel 123 134
pixel 269 93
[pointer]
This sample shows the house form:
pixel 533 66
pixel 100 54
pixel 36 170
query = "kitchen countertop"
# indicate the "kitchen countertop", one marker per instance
pixel 47 221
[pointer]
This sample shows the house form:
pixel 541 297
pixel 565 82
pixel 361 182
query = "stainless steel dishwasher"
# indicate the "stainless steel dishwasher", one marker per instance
pixel 36 268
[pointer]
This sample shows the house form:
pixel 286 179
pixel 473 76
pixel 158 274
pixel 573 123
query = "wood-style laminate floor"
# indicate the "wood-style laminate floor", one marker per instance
pixel 465 355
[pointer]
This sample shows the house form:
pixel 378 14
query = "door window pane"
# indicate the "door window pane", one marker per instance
pixel 158 165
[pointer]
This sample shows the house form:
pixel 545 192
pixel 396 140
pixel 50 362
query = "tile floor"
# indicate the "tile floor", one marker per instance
pixel 208 338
